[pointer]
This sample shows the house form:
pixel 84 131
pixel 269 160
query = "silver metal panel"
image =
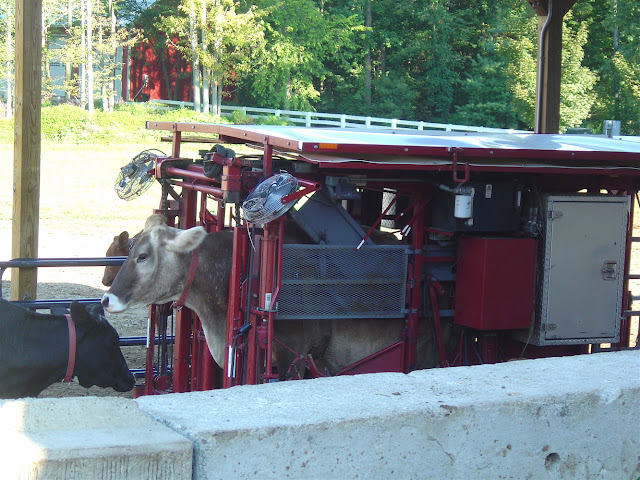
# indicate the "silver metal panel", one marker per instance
pixel 583 270
pixel 335 281
pixel 573 144
pixel 327 222
pixel 430 147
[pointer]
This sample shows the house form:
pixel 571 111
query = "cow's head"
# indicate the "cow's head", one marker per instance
pixel 156 268
pixel 99 360
pixel 118 248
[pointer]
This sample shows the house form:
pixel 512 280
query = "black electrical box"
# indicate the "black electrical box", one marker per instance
pixel 477 207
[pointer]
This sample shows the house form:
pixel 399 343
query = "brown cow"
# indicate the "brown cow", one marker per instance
pixel 119 248
pixel 156 270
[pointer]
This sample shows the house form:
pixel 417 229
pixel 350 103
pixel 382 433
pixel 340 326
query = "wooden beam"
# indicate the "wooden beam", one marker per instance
pixel 26 147
pixel 550 16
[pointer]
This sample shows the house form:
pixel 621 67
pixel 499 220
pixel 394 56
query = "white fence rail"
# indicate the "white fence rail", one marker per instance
pixel 316 119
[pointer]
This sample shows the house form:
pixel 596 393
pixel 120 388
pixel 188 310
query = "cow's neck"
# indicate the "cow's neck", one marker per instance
pixel 213 320
pixel 209 292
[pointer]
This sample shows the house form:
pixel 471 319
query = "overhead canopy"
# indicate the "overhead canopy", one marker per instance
pixel 412 147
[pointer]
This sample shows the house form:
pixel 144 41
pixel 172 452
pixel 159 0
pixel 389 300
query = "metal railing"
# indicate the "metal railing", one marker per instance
pixel 341 120
pixel 60 262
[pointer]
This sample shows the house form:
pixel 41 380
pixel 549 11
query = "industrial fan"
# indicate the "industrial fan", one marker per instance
pixel 264 203
pixel 134 178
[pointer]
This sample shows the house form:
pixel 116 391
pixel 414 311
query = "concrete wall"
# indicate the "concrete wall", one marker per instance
pixel 563 418
pixel 86 438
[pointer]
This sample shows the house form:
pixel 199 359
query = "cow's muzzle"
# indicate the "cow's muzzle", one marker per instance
pixel 112 303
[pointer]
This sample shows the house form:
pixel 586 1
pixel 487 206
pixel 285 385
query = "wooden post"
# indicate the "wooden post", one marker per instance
pixel 26 147
pixel 549 63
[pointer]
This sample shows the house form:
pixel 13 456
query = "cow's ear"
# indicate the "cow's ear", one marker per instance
pixel 154 220
pixel 187 240
pixel 80 315
pixel 96 312
pixel 123 239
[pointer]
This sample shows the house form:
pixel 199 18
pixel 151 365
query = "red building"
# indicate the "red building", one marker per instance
pixel 152 75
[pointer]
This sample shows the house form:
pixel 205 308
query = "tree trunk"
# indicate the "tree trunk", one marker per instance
pixel 68 68
pixel 195 64
pixel 89 57
pixel 219 87
pixel 111 99
pixel 83 49
pixel 166 76
pixel 103 86
pixel 176 87
pixel 205 71
pixel 368 21
pixel 215 105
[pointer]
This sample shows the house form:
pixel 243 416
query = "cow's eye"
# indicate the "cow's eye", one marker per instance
pixel 142 257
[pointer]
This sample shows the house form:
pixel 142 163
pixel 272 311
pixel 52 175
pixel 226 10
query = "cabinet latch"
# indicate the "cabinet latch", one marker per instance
pixel 609 270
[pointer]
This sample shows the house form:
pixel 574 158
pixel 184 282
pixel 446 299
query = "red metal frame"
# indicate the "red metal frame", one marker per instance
pixel 255 278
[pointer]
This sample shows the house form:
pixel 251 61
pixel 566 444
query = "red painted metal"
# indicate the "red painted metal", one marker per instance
pixel 184 318
pixel 235 312
pixel 434 289
pixel 454 167
pixel 268 289
pixel 213 191
pixel 309 187
pixel 495 282
pixel 414 165
pixel 415 275
pixel 389 359
pixel 377 222
pixel 625 323
pixel 255 355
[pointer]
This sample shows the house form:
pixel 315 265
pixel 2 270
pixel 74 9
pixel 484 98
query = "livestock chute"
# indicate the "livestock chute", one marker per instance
pixel 477 247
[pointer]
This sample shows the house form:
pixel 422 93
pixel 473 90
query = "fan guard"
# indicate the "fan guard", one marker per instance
pixel 133 179
pixel 264 203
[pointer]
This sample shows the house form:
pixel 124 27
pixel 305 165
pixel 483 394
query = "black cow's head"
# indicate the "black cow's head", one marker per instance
pixel 99 360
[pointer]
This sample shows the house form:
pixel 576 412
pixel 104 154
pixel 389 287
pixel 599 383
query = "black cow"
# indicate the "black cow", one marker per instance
pixel 34 350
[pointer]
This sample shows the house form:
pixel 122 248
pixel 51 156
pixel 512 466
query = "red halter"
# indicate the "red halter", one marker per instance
pixel 193 266
pixel 72 349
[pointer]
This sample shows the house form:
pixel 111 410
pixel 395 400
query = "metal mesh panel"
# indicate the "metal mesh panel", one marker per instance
pixel 335 281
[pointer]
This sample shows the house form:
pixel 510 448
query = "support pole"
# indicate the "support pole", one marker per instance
pixel 26 147
pixel 550 15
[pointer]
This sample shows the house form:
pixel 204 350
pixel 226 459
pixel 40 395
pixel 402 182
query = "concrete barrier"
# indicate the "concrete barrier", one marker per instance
pixel 87 438
pixel 557 418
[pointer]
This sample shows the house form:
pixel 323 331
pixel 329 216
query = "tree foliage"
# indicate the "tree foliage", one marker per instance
pixel 433 60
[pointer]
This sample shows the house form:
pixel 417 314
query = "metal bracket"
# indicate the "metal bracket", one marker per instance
pixel 454 167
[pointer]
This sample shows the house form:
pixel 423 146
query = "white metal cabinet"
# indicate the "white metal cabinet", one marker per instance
pixel 580 294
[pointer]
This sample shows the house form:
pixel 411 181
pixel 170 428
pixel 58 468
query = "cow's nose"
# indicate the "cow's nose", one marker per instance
pixel 105 301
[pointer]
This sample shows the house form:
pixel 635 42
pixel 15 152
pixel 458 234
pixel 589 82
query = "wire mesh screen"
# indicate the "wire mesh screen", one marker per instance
pixel 331 281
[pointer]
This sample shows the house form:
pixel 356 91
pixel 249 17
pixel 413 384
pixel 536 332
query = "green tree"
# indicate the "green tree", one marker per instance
pixel 612 52
pixel 411 56
pixel 576 92
pixel 220 44
pixel 487 100
pixel 300 40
